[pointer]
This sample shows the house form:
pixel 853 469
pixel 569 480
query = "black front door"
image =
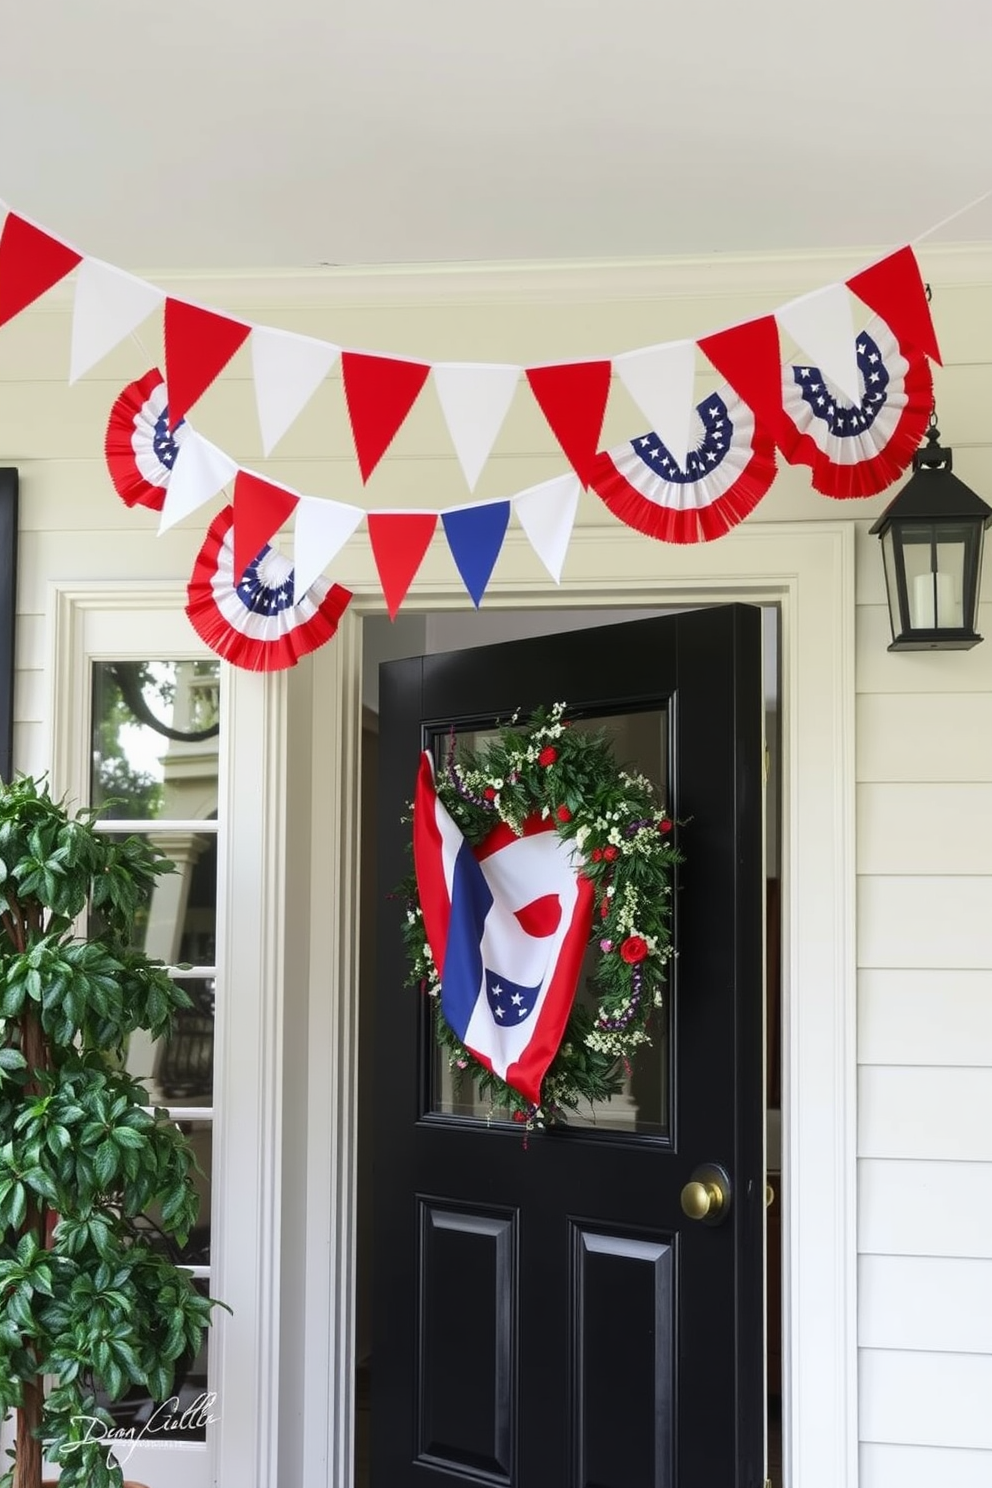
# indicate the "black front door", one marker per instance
pixel 545 1313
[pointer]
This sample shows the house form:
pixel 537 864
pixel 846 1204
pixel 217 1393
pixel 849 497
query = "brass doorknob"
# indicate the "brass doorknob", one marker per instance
pixel 706 1197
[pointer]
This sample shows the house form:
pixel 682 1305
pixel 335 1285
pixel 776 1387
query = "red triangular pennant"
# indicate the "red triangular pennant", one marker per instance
pixel 30 263
pixel 894 289
pixel 198 346
pixel 573 400
pixel 399 541
pixel 749 357
pixel 260 509
pixel 380 391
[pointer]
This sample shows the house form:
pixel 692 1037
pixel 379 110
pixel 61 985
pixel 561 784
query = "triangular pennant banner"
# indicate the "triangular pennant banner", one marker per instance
pixel 573 400
pixel 475 399
pixel 475 535
pixel 322 529
pixel 894 289
pixel 748 357
pixel 198 346
pixel 380 391
pixel 200 471
pixel 660 381
pixel 288 370
pixel 821 325
pixel 109 304
pixel 399 541
pixel 547 515
pixel 260 509
pixel 30 262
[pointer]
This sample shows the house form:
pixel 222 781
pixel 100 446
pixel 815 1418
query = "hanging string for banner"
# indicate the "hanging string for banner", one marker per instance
pixel 952 217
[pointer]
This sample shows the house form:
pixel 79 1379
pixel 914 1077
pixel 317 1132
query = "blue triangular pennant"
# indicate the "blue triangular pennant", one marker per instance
pixel 475 535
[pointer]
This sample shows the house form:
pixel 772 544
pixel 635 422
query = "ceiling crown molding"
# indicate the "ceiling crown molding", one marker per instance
pixel 771 277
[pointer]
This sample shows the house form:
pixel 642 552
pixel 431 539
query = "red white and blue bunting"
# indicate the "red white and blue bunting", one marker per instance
pixel 256 622
pixel 141 447
pixel 858 447
pixel 692 480
pixel 730 466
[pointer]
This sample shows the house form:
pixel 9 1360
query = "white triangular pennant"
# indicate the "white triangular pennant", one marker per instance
pixel 288 370
pixel 660 381
pixel 322 529
pixel 108 305
pixel 820 323
pixel 475 398
pixel 200 471
pixel 547 515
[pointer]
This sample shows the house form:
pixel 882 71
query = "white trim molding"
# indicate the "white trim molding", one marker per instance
pixel 267 294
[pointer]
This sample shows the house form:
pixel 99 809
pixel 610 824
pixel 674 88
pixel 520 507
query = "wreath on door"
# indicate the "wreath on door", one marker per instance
pixel 550 792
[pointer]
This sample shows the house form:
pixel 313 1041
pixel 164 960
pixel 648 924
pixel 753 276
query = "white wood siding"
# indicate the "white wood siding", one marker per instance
pixel 923 1467
pixel 924 817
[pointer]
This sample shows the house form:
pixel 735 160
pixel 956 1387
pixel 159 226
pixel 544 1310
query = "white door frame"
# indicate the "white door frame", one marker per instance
pixel 285 1156
pixel 807 568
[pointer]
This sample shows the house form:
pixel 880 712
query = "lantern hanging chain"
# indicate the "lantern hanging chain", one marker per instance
pixel 933 433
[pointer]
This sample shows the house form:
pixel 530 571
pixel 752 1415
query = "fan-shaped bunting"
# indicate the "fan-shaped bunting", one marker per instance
pixel 139 446
pixel 858 449
pixel 255 624
pixel 730 466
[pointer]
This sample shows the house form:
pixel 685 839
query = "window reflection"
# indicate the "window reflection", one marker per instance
pixel 177 923
pixel 154 771
pixel 154 740
pixel 196 1251
pixel 155 755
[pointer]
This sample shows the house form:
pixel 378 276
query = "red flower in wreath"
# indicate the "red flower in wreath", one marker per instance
pixel 547 756
pixel 490 793
pixel 665 825
pixel 634 949
pixel 610 853
pixel 597 854
pixel 563 814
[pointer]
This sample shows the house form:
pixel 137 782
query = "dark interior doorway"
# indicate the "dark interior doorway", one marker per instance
pixel 420 634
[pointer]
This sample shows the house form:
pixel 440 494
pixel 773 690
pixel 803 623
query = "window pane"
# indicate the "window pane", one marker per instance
pixel 196 1251
pixel 155 732
pixel 639 740
pixel 951 552
pixel 179 1071
pixel 177 923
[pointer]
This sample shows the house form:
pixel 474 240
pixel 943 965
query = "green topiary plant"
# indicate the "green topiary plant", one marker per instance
pixel 86 1298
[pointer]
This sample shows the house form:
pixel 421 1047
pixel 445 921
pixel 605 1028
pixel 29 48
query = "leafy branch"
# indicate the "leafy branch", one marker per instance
pixel 85 1298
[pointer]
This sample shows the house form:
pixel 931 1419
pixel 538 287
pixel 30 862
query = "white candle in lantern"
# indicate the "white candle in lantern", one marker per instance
pixel 921 611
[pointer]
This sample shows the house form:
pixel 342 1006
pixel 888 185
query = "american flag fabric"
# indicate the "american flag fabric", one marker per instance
pixel 730 466
pixel 507 923
pixel 858 449
pixel 255 622
pixel 139 446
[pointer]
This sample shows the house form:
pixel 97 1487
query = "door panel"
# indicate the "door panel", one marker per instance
pixel 623 1347
pixel 467 1372
pixel 545 1314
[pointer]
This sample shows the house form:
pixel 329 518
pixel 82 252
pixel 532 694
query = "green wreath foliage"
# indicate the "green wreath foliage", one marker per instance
pixel 623 843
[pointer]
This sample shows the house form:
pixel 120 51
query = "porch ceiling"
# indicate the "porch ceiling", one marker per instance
pixel 207 135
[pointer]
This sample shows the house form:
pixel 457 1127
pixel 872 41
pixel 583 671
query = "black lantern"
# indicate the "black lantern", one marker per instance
pixel 931 537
